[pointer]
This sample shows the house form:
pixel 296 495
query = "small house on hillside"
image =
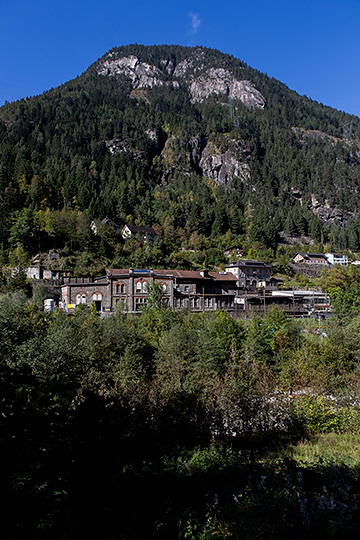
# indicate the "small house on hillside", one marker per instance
pixel 34 272
pixel 233 251
pixel 311 258
pixel 147 234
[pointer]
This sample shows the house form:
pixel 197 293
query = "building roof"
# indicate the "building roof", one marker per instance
pixel 300 293
pixel 184 274
pixel 336 254
pixel 249 263
pixel 108 221
pixel 311 255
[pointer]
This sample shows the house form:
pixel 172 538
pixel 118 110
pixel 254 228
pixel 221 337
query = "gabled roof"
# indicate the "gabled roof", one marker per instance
pixel 194 274
pixel 311 255
pixel 108 221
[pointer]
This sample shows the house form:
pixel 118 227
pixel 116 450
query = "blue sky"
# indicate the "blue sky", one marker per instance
pixel 311 46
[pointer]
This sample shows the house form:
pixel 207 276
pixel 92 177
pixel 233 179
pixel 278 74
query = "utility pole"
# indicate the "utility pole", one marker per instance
pixel 264 302
pixel 293 302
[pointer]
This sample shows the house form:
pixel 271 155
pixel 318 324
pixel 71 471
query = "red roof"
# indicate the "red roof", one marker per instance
pixel 184 274
pixel 111 271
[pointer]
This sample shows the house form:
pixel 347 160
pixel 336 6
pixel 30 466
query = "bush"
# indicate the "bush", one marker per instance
pixel 320 416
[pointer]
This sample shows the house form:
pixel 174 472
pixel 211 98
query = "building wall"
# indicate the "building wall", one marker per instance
pixel 337 258
pixel 130 290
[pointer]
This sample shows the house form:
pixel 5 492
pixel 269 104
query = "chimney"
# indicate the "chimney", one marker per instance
pixel 204 272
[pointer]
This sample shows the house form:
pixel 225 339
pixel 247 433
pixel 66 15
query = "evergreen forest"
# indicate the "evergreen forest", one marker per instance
pixel 98 146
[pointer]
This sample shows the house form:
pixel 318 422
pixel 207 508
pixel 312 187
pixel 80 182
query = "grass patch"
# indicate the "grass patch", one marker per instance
pixel 334 448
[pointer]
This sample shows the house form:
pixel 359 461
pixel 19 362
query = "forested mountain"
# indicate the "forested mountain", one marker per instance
pixel 187 140
pixel 177 424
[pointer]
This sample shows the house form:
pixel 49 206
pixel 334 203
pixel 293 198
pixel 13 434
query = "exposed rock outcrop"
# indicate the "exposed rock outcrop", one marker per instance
pixel 180 155
pixel 195 62
pixel 116 146
pixel 214 81
pixel 329 215
pixel 220 81
pixel 324 211
pixel 141 74
pixel 313 134
pixel 223 166
pixel 158 139
pixel 207 159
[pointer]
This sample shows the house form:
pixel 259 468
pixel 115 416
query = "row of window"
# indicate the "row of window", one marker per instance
pixel 140 287
pixel 208 302
pixel 194 302
pixel 80 298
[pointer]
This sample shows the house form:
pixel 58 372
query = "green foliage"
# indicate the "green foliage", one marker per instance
pixel 338 449
pixel 321 416
pixel 343 286
pixel 99 412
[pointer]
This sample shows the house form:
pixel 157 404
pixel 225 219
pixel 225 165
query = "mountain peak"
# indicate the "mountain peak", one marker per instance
pixel 201 80
pixel 189 140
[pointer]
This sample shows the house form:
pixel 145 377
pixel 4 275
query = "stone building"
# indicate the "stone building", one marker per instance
pixel 129 289
pixel 250 273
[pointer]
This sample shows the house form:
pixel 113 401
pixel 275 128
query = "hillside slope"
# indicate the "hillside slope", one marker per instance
pixel 188 140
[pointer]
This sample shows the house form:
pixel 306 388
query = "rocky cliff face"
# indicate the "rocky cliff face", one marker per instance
pixel 207 158
pixel 194 63
pixel 325 213
pixel 223 166
pixel 211 79
pixel 201 84
pixel 141 74
pixel 219 81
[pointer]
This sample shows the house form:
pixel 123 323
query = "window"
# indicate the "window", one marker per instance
pixel 194 303
pixel 80 298
pixel 120 288
pixel 163 287
pixel 140 303
pixel 97 299
pixel 141 287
